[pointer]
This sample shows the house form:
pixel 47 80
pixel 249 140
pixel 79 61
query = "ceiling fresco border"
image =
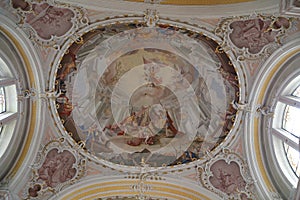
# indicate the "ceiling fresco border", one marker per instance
pixel 254 36
pixel 116 20
pixel 48 23
pixel 56 166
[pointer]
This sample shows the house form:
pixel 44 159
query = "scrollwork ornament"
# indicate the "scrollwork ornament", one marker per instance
pixel 253 37
pixel 227 175
pixel 142 187
pixel 48 23
pixel 151 17
pixel 35 94
pixel 56 166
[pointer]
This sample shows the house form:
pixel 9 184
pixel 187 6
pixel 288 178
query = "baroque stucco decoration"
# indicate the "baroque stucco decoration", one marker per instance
pixel 227 175
pixel 70 84
pixel 252 37
pixel 56 166
pixel 139 79
pixel 49 23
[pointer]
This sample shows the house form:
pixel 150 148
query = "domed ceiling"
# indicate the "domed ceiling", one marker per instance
pixel 143 100
pixel 129 94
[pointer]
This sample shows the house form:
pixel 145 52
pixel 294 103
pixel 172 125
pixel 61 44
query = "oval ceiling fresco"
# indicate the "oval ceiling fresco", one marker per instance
pixel 133 94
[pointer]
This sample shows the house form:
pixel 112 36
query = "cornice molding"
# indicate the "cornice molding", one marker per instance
pixel 213 11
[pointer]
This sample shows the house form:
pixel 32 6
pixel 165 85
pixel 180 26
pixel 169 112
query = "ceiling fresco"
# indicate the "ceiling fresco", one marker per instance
pixel 56 167
pixel 47 22
pixel 129 93
pixel 255 36
pixel 146 103
pixel 226 174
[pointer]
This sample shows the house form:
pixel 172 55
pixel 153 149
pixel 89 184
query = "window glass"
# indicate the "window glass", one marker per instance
pixel 8 105
pixel 293 158
pixel 291 120
pixel 297 92
pixel 291 125
pixel 2 100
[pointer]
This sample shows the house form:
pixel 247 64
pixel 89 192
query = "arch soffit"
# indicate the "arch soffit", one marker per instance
pixel 257 98
pixel 113 186
pixel 30 66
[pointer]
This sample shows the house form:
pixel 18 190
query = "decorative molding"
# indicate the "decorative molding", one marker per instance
pixel 254 36
pixel 265 110
pixel 151 17
pixel 142 187
pixel 49 23
pixel 34 94
pixel 111 186
pixel 56 166
pixel 227 175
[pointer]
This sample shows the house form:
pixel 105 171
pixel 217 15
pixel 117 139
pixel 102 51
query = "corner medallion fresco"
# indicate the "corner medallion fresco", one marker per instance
pixel 56 166
pixel 255 34
pixel 162 95
pixel 47 22
pixel 228 176
pixel 253 37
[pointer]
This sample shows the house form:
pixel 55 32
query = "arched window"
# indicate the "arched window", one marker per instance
pixel 15 111
pixel 21 119
pixel 273 139
pixel 292 126
pixel 8 105
pixel 286 130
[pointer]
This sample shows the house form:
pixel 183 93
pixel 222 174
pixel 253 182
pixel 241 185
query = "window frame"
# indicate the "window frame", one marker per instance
pixel 274 158
pixel 13 78
pixel 269 83
pixel 279 135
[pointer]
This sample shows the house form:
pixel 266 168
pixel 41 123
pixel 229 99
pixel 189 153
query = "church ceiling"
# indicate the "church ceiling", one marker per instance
pixel 129 92
pixel 134 101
